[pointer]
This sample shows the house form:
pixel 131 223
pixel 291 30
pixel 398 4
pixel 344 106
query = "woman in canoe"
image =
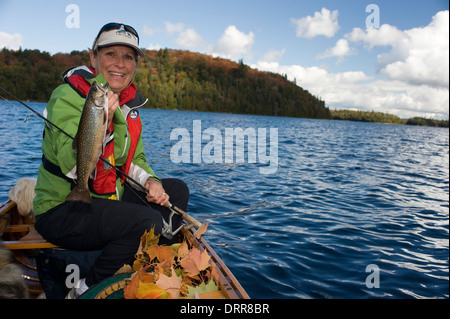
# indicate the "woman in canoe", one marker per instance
pixel 118 213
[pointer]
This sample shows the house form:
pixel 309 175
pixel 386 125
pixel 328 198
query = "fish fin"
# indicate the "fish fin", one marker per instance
pixel 93 174
pixel 105 116
pixel 75 142
pixel 78 194
pixel 105 122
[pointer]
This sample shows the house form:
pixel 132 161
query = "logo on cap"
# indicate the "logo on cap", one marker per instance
pixel 124 33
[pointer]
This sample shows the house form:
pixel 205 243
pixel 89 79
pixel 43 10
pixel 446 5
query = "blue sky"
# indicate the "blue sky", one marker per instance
pixel 399 66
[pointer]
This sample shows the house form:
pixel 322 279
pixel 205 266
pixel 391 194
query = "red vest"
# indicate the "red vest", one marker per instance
pixel 105 178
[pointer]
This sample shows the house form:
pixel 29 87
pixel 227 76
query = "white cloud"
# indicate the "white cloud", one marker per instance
pixel 172 28
pixel 234 44
pixel 189 38
pixel 323 23
pixel 274 55
pixel 355 89
pixel 340 50
pixel 156 46
pixel 10 41
pixel 418 56
pixel 413 66
pixel 149 31
pixel 386 35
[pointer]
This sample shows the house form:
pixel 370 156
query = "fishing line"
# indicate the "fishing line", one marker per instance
pixel 36 113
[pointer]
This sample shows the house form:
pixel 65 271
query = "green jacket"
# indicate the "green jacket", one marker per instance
pixel 64 110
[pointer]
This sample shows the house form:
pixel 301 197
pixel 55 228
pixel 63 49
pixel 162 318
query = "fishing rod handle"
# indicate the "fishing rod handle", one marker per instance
pixel 185 216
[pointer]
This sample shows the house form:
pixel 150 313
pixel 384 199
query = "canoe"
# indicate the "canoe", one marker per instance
pixel 22 239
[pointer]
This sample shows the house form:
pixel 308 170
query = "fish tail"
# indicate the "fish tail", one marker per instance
pixel 79 194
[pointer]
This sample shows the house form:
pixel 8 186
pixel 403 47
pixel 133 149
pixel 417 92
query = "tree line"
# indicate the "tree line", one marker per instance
pixel 171 79
pixel 379 117
pixel 184 80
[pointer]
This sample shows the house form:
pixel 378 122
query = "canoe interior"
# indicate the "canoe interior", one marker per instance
pixel 26 249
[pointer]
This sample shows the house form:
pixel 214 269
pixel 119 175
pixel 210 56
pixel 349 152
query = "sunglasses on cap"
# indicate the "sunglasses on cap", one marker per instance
pixel 116 26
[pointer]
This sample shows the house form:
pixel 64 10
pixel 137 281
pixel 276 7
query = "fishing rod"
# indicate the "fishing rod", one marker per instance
pixel 179 211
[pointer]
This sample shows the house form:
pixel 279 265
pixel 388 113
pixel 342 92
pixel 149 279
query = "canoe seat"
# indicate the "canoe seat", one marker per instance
pixel 17 232
pixel 32 239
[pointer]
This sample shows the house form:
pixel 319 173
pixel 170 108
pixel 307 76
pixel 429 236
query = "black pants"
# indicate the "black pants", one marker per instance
pixel 114 227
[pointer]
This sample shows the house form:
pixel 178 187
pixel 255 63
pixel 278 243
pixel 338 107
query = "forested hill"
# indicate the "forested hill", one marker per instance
pixel 172 79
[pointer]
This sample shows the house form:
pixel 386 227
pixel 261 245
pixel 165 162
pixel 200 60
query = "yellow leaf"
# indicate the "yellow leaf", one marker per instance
pixel 137 265
pixel 203 288
pixel 148 291
pixel 148 239
pixel 124 269
pixel 141 276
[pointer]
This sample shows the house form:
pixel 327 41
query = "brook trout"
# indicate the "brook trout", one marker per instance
pixel 88 142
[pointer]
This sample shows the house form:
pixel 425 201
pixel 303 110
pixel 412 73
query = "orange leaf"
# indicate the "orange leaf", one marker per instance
pixel 195 261
pixel 201 230
pixel 161 252
pixel 138 277
pixel 183 250
pixel 214 272
pixel 211 295
pixel 129 292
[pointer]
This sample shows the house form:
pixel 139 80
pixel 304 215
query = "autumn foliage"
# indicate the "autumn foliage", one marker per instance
pixel 170 272
pixel 171 79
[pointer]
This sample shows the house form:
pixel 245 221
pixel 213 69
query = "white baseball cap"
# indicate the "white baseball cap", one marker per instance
pixel 117 34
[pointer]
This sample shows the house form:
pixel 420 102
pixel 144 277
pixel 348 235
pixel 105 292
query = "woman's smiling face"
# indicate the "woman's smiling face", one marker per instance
pixel 117 64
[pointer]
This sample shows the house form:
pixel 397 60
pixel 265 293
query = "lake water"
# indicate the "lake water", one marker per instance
pixel 354 210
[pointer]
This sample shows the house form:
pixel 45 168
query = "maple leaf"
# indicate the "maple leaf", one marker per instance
pixel 201 230
pixel 161 253
pixel 141 276
pixel 124 270
pixel 148 239
pixel 170 284
pixel 195 261
pixel 183 250
pixel 202 288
